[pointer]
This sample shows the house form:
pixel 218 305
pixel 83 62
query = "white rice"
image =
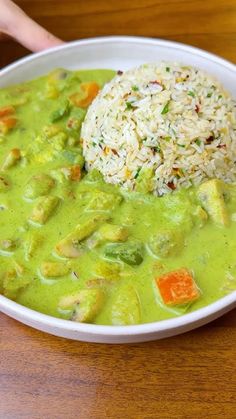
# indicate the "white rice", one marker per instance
pixel 175 119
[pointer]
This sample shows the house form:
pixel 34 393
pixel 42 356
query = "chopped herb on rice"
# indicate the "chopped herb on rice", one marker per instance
pixel 162 128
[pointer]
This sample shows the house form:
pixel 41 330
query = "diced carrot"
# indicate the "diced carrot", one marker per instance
pixel 89 92
pixel 178 287
pixel 73 172
pixel 6 124
pixel 6 110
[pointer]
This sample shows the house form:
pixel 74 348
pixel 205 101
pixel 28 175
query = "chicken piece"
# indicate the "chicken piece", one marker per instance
pixel 70 246
pixel 166 243
pixel 108 270
pixel 38 185
pixel 103 201
pixel 86 304
pixel 14 280
pixel 113 233
pixel 44 208
pixel 54 269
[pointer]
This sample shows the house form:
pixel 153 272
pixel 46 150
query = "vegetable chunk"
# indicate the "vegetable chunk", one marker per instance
pixel 32 244
pixel 126 307
pixel 166 243
pixel 89 92
pixel 103 201
pixel 113 233
pixel 144 181
pixel 6 124
pixel 108 270
pixel 58 114
pixel 86 304
pixel 6 111
pixel 14 280
pixel 44 209
pixel 70 246
pixel 177 287
pixel 54 269
pixel 72 172
pixel 4 183
pixel 8 245
pixel 12 158
pixel 130 252
pixel 211 196
pixel 38 185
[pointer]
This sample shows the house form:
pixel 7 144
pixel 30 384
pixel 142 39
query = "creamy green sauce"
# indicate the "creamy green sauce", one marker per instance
pixel 47 133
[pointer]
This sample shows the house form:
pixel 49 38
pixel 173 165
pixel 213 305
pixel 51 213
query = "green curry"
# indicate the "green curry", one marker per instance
pixel 74 247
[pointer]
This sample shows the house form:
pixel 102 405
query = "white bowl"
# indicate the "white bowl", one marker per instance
pixel 118 53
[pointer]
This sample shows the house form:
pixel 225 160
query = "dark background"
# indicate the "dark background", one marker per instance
pixel 209 24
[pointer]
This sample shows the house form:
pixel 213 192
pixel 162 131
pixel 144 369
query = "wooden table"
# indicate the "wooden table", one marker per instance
pixel 188 376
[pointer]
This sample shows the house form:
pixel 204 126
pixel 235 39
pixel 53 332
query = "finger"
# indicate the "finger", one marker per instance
pixel 33 36
pixel 18 25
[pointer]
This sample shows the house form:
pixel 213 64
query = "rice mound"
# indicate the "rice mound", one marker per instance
pixel 176 120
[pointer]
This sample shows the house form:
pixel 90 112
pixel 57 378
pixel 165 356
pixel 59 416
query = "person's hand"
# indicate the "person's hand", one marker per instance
pixel 15 23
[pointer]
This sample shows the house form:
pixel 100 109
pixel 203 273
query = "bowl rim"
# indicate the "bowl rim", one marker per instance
pixel 94 329
pixel 17 310
pixel 121 39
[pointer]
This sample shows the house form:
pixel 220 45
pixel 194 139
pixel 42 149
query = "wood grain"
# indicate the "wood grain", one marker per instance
pixel 188 376
pixel 210 24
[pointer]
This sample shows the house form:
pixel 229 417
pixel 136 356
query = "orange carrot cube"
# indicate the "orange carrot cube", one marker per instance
pixel 6 124
pixel 177 287
pixel 89 92
pixel 6 111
